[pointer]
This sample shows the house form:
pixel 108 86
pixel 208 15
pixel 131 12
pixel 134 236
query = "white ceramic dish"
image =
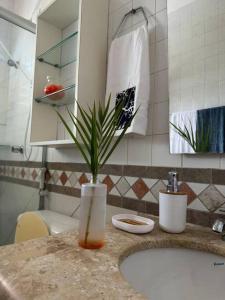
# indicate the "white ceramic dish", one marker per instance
pixel 133 228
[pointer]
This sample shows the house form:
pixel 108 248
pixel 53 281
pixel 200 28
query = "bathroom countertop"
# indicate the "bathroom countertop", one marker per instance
pixel 57 268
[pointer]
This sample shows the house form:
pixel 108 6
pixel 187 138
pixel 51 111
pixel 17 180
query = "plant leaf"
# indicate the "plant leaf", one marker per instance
pixel 82 131
pixel 75 139
pixel 118 139
pixel 96 127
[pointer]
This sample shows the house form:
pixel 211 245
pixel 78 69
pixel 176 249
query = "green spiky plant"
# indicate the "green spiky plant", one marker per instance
pixel 96 127
pixel 198 141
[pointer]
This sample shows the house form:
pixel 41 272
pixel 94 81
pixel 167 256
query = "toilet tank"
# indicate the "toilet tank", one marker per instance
pixel 36 224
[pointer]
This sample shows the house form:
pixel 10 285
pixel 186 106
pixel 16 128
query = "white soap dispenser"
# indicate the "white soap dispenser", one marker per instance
pixel 172 206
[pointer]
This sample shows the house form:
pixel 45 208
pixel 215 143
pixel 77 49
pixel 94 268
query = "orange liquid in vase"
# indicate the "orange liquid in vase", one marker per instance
pixel 91 244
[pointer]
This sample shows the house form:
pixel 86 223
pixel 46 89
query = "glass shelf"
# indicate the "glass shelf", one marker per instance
pixel 62 97
pixel 61 54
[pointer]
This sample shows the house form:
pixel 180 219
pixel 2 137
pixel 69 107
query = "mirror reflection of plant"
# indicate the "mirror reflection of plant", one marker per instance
pixel 199 141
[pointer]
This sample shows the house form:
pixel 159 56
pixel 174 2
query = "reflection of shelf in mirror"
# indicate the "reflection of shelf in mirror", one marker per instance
pixel 62 97
pixel 54 55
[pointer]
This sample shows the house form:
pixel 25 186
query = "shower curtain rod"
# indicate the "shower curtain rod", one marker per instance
pixel 17 20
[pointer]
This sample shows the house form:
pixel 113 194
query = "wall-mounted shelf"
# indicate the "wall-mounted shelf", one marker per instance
pixel 55 144
pixel 68 31
pixel 53 56
pixel 66 95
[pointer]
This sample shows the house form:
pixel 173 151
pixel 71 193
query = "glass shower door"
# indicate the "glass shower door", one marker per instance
pixel 17 195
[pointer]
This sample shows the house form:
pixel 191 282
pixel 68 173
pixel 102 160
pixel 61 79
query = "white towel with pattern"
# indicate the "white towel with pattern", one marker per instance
pixel 128 78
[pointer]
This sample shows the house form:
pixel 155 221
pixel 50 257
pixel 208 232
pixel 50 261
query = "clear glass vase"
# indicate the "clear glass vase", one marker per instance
pixel 92 215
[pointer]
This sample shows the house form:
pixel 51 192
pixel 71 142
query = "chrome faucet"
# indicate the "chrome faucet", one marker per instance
pixel 219 227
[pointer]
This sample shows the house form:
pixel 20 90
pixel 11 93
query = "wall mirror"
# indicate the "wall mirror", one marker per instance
pixel 196 40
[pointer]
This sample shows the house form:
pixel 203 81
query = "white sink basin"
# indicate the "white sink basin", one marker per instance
pixel 176 274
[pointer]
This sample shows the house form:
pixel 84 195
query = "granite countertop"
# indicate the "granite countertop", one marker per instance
pixel 56 268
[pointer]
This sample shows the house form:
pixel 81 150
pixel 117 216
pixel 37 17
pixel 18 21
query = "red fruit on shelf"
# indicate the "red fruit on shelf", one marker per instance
pixel 49 89
pixel 52 88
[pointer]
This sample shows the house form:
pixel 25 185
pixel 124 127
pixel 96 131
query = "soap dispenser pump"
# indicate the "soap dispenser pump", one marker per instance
pixel 172 185
pixel 172 206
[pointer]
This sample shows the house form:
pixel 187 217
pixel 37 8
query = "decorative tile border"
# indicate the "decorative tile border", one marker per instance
pixel 140 188
pixel 131 187
pixel 20 173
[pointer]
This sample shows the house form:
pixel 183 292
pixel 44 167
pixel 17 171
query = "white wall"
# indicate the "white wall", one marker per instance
pixel 197 59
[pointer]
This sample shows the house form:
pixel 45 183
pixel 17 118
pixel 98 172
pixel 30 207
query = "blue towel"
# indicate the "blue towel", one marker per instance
pixel 212 121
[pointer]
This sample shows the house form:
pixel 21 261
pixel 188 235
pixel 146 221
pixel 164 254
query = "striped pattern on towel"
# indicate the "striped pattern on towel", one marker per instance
pixel 212 121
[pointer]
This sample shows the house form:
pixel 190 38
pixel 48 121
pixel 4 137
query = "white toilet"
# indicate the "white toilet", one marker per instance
pixel 36 224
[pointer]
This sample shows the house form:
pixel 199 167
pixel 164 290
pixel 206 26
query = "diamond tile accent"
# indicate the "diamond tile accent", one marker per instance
pixel 83 179
pixel 220 188
pixel 198 205
pixel 131 194
pixel 34 174
pixel 68 173
pixel 101 177
pixel 212 198
pixel 140 188
pixel 39 174
pixel 108 181
pixel 115 178
pixel 17 172
pixel 28 173
pixel 73 179
pixel 7 171
pixel 23 173
pixel 51 180
pixel 221 210
pixel 190 193
pixel 13 171
pixel 131 180
pixel 47 176
pixel 114 192
pixel 197 188
pixel 63 178
pixel 150 198
pixel 122 186
pixel 149 182
pixel 160 185
pixel 55 177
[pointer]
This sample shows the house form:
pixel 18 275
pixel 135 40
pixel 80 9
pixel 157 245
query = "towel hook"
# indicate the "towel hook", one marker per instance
pixel 133 11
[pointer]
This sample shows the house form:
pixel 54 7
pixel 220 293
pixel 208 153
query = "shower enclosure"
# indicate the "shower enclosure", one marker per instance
pixel 17 44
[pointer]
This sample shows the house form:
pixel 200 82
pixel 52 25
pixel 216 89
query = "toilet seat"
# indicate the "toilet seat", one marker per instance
pixel 30 226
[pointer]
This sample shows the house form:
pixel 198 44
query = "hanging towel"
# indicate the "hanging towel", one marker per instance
pixel 177 144
pixel 211 122
pixel 128 78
